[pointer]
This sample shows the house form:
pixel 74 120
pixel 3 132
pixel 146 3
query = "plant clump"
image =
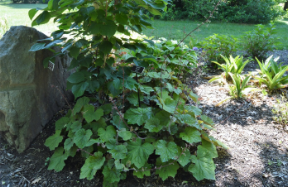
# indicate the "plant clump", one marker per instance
pixel 143 108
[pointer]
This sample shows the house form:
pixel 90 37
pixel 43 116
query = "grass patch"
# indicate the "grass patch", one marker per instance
pixel 176 30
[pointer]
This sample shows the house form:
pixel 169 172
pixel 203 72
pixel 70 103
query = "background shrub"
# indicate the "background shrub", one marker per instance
pixel 259 41
pixel 237 11
pixel 216 45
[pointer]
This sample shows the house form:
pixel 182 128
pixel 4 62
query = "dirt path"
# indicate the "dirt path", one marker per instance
pixel 258 154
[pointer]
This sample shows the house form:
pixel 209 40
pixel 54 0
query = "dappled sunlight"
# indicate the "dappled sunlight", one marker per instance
pixel 284 21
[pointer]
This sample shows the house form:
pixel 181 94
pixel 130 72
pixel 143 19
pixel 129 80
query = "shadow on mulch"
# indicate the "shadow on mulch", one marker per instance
pixel 238 111
pixel 272 157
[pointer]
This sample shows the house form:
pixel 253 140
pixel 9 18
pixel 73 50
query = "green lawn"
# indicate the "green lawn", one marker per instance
pixel 176 30
pixel 17 14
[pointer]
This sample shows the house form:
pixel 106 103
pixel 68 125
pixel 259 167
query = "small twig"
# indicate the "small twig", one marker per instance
pixel 84 151
pixel 123 89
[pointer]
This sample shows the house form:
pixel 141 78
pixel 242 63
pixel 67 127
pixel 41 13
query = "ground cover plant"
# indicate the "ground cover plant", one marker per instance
pixel 141 113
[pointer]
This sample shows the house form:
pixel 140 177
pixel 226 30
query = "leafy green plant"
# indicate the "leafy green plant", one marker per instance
pixel 259 41
pixel 280 111
pixel 248 11
pixel 271 74
pixel 232 65
pixel 140 115
pixel 240 86
pixel 217 45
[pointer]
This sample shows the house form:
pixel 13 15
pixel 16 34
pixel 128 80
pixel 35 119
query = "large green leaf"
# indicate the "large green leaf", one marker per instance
pixel 118 122
pixel 90 115
pixel 108 28
pixel 79 89
pixel 37 47
pixel 57 160
pixel 118 152
pixel 32 13
pixel 77 77
pixel 115 87
pixel 68 144
pixel 166 150
pixel 43 18
pixel 191 135
pixel 166 102
pixel 207 149
pixel 144 171
pixel 53 141
pixel 138 153
pixel 107 134
pixel 153 124
pixel 121 18
pixel 92 165
pixel 80 104
pixel 111 175
pixel 138 115
pixel 133 98
pixel 82 137
pixel 189 120
pixel 105 47
pixel 185 156
pixel 61 123
pixel 166 169
pixel 130 83
pixel 125 135
pixel 203 168
pixel 207 120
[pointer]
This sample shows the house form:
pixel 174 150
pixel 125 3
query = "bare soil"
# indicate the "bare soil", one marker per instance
pixel 257 154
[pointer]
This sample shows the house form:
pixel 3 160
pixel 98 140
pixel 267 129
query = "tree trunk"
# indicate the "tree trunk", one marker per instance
pixel 286 5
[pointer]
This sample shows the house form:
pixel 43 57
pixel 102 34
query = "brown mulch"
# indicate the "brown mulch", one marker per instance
pixel 257 155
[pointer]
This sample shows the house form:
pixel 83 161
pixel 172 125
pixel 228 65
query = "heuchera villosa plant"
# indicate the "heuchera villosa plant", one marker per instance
pixel 140 115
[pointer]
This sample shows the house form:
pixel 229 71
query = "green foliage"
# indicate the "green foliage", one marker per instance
pixel 217 45
pixel 259 41
pixel 240 86
pixel 121 134
pixel 280 111
pixel 244 11
pixel 233 65
pixel 271 74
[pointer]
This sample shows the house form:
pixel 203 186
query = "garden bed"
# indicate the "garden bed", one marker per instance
pixel 258 154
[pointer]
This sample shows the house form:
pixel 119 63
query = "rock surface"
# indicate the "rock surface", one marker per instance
pixel 29 94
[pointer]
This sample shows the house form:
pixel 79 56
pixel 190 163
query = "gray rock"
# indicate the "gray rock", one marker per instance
pixel 28 94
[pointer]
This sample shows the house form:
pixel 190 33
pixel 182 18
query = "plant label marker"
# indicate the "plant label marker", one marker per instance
pixel 51 65
pixel 138 69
